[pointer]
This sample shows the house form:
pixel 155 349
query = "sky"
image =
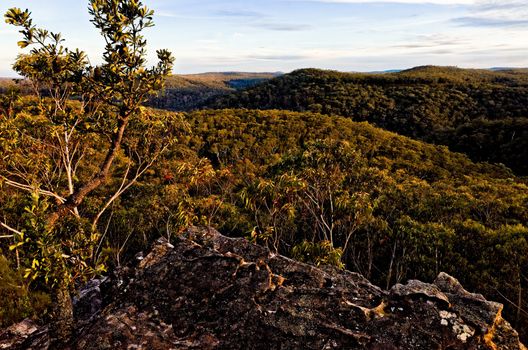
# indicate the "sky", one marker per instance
pixel 283 35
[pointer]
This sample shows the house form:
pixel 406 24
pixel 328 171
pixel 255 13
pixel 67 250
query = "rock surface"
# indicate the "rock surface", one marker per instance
pixel 207 291
pixel 24 335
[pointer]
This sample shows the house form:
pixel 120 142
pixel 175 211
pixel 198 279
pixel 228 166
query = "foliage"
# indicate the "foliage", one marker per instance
pixel 110 98
pixel 9 101
pixel 47 259
pixel 481 113
pixel 16 300
pixel 319 253
pixel 71 139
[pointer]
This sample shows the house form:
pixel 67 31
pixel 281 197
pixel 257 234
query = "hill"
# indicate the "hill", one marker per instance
pixel 5 83
pixel 482 113
pixel 183 92
pixel 186 92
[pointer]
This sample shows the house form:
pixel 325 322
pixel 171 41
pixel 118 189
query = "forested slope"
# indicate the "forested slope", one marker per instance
pixel 394 208
pixel 186 92
pixel 181 92
pixel 481 113
pixel 322 189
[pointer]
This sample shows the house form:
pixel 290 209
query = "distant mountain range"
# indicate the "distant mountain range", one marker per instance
pixel 225 79
pixel 495 69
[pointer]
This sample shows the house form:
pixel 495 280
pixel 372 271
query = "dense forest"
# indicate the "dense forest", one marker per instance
pixel 478 112
pixel 322 189
pixel 187 92
pixel 180 92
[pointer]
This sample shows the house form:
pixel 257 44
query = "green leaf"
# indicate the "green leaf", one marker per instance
pixel 15 246
pixel 35 264
pixel 23 44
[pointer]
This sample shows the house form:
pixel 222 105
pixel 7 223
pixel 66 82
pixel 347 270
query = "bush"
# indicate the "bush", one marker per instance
pixel 319 253
pixel 17 302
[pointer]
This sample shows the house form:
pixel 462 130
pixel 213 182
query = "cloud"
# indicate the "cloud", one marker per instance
pixel 420 2
pixel 492 13
pixel 167 14
pixel 240 14
pixel 490 22
pixel 283 27
pixel 503 5
pixel 433 41
pixel 278 57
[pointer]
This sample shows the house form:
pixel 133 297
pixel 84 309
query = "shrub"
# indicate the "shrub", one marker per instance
pixel 16 300
pixel 319 253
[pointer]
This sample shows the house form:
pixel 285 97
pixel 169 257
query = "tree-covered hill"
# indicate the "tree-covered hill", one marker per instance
pixel 482 113
pixel 186 92
pixel 397 208
pixel 181 92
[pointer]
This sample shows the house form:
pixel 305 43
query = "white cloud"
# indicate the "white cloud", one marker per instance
pixel 493 13
pixel 436 2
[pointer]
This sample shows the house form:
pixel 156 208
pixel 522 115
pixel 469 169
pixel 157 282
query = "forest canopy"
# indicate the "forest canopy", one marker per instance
pixel 478 112
pixel 324 189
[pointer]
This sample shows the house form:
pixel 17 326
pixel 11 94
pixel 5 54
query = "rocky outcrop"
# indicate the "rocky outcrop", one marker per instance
pixel 24 335
pixel 207 291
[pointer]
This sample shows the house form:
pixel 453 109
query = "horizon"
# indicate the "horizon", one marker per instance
pixel 384 71
pixel 285 35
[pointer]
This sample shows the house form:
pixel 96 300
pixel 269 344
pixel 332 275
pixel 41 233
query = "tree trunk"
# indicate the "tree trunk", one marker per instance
pixel 61 317
pixel 519 299
pixel 389 274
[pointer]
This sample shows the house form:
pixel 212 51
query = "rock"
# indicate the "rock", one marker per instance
pixel 161 248
pixel 207 291
pixel 477 312
pixel 415 288
pixel 88 302
pixel 24 335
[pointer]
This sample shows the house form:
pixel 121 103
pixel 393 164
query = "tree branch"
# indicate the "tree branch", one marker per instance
pixel 75 199
pixel 9 228
pixel 125 186
pixel 28 188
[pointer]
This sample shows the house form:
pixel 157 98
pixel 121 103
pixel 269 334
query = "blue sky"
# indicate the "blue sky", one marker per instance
pixel 283 35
